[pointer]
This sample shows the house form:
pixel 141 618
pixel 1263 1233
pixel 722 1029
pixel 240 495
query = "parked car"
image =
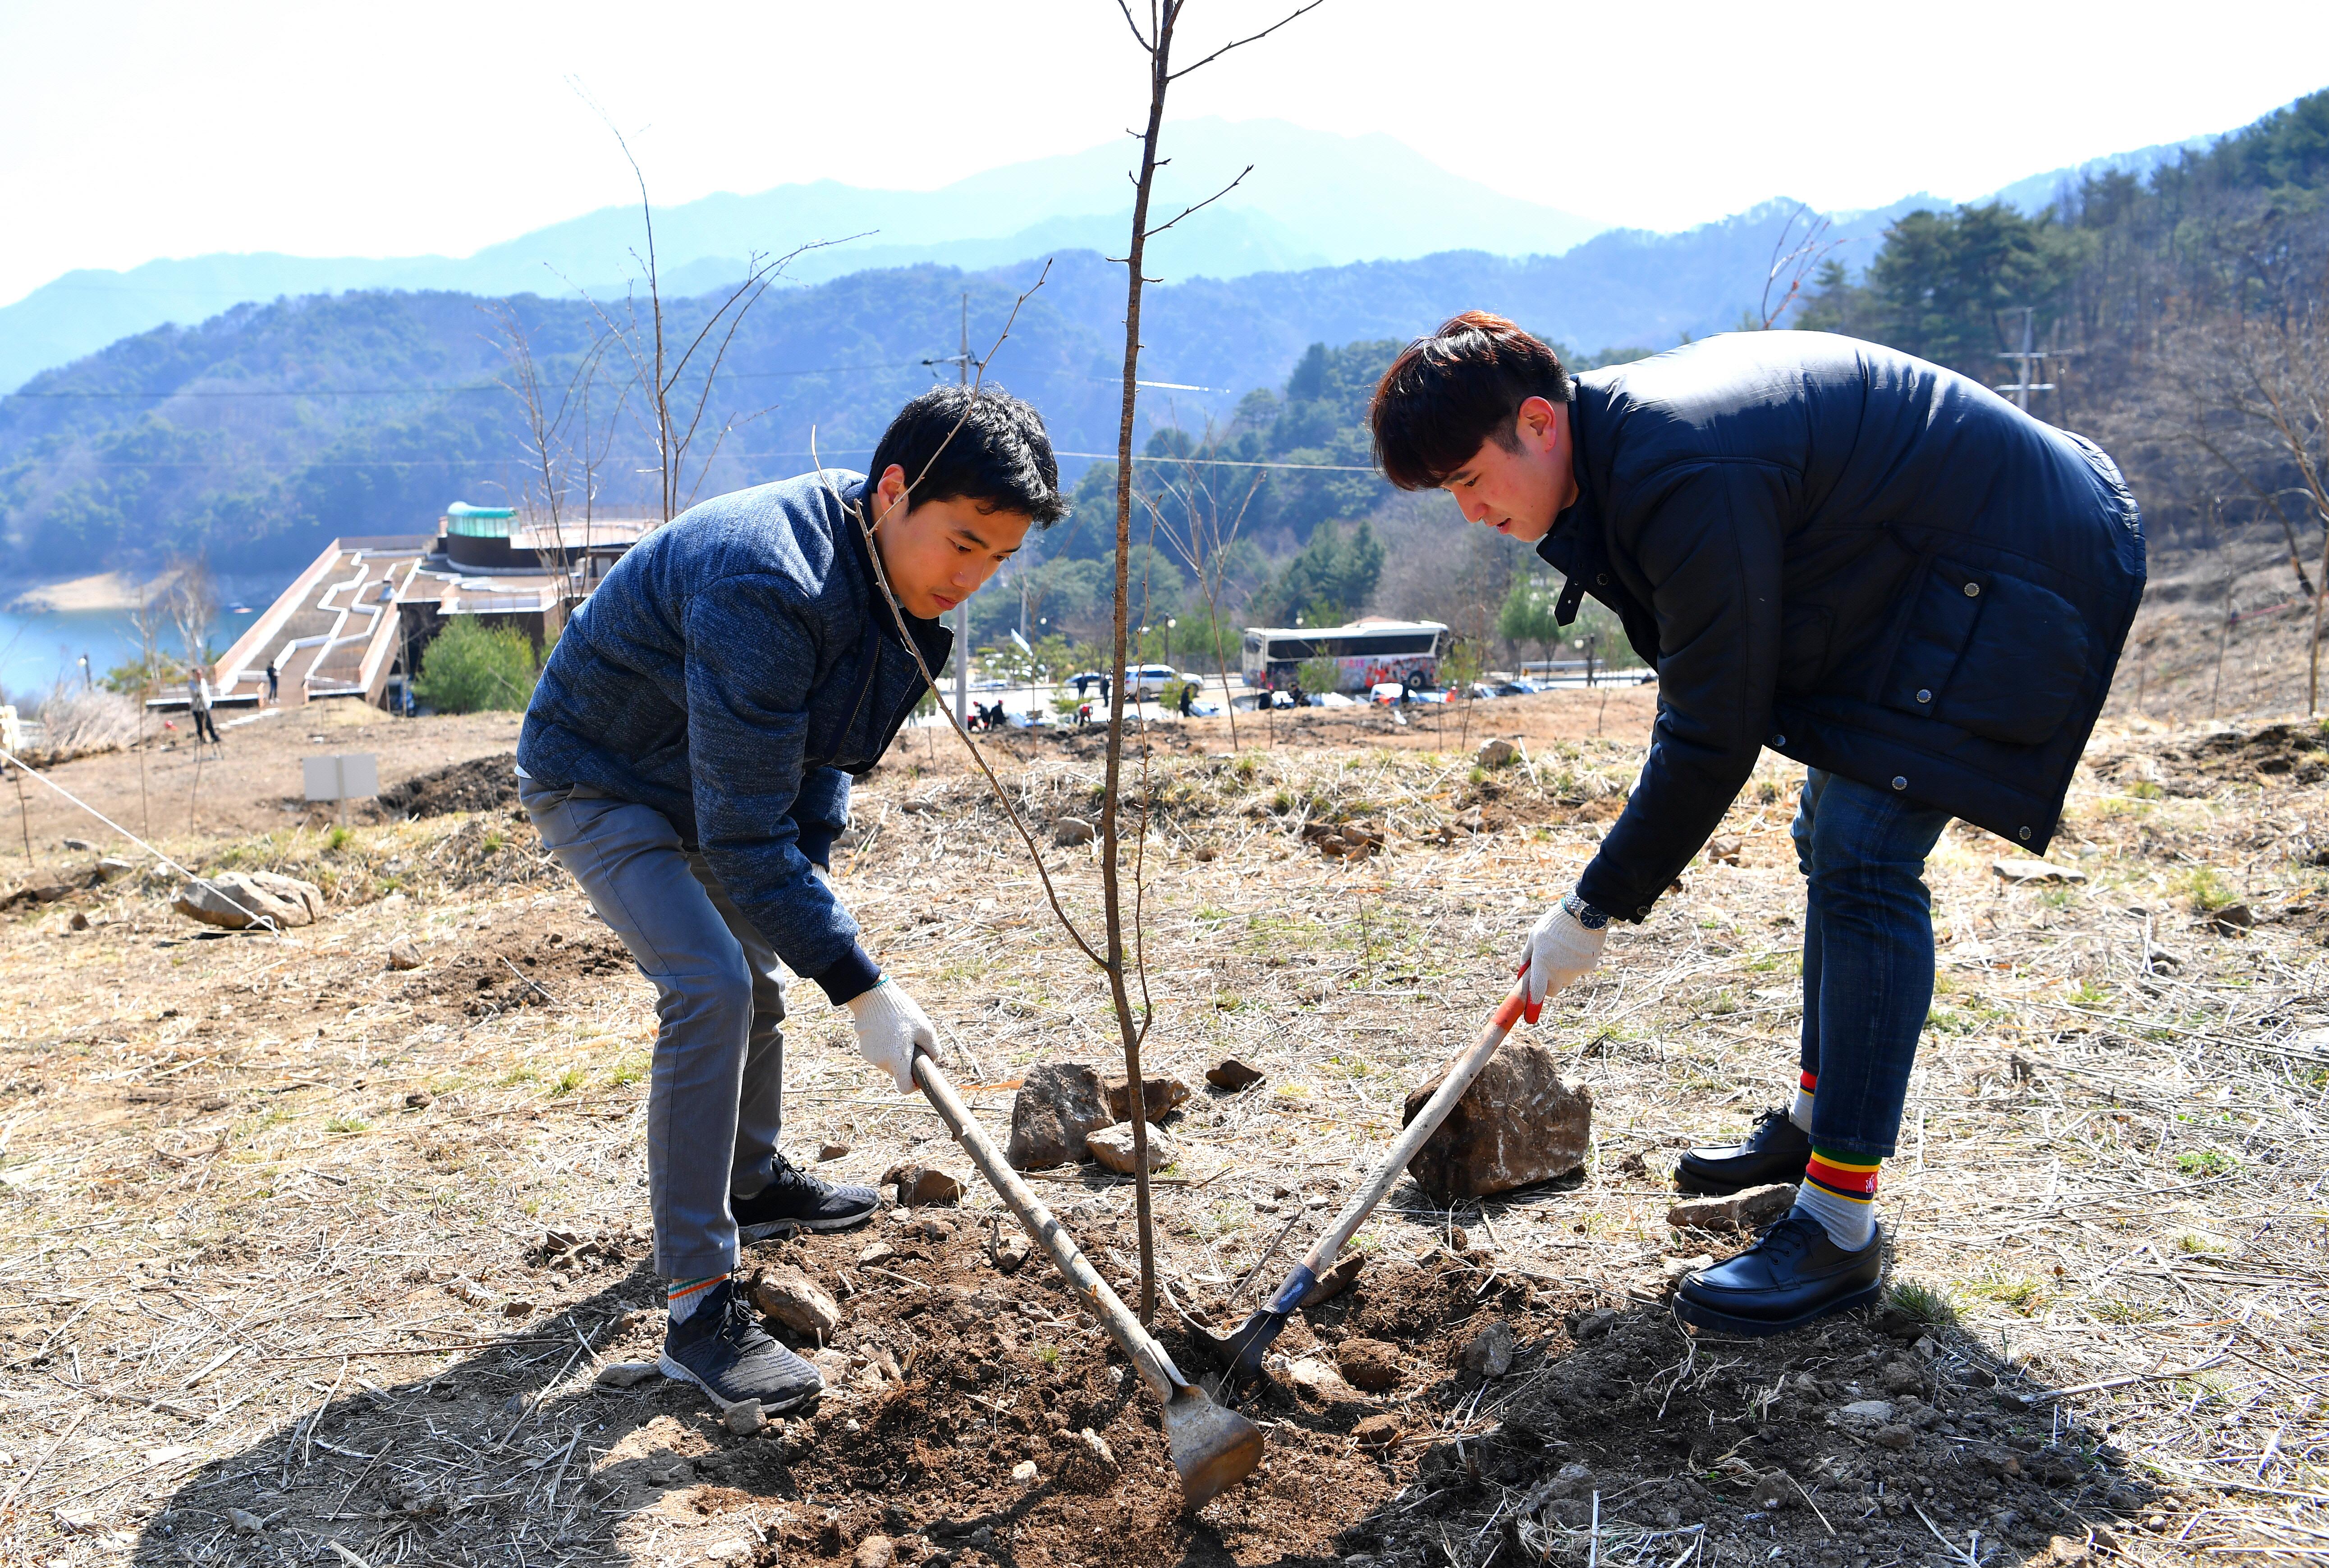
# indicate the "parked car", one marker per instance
pixel 1150 680
pixel 1386 691
pixel 1335 700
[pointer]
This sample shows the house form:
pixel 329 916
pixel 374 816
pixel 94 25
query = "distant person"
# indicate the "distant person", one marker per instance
pixel 1188 698
pixel 198 698
pixel 274 679
pixel 1866 563
pixel 687 756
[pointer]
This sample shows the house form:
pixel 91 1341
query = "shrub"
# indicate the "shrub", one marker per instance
pixel 471 668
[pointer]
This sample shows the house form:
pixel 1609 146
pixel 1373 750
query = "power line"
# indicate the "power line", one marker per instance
pixel 394 392
pixel 643 462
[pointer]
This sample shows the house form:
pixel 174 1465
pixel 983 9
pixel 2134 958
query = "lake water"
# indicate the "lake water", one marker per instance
pixel 40 647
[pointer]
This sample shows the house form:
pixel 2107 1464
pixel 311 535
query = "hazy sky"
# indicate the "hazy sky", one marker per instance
pixel 132 131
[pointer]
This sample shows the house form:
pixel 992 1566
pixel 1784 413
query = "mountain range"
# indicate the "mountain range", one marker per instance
pixel 1310 199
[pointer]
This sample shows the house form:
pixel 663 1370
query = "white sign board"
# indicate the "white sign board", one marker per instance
pixel 354 777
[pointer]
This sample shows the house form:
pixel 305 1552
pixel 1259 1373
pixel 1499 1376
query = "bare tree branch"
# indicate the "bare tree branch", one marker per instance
pixel 1241 43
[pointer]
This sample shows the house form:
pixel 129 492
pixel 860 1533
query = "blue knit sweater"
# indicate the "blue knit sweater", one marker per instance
pixel 733 671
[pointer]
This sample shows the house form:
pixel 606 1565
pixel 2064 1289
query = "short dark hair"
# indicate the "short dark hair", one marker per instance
pixel 1447 393
pixel 979 444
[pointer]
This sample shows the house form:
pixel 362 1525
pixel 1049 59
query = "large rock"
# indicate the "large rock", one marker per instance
pixel 1519 1122
pixel 239 900
pixel 796 1301
pixel 1112 1146
pixel 1162 1095
pixel 1059 1104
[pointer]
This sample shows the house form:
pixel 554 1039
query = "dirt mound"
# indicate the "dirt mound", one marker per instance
pixel 1856 1442
pixel 479 784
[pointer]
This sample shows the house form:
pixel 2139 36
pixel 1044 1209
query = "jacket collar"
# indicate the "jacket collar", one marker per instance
pixel 1574 548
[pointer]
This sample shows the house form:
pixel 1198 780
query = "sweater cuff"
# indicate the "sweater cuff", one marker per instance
pixel 855 974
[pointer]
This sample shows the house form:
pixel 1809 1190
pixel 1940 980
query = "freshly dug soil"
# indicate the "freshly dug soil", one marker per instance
pixel 958 1372
pixel 479 784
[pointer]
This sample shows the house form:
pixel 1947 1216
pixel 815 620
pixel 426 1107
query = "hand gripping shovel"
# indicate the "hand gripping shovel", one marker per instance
pixel 1211 1447
pixel 1238 1355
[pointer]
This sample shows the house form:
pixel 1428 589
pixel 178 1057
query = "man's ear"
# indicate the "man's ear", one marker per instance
pixel 1535 425
pixel 888 490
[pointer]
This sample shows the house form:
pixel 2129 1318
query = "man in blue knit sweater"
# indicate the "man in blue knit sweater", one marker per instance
pixel 687 756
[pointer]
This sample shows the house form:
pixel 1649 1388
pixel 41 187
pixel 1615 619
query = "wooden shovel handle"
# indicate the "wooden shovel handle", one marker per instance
pixel 1460 1075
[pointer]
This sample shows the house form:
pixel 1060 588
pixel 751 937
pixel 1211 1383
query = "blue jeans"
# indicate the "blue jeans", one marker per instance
pixel 1868 955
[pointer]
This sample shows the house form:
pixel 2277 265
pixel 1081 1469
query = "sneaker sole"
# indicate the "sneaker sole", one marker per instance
pixel 787 1227
pixel 672 1369
pixel 1703 1316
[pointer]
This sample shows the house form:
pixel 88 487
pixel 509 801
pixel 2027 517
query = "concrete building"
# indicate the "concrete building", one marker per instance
pixel 357 622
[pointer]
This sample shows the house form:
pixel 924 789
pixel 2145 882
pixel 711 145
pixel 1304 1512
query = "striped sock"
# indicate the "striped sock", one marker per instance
pixel 1801 1115
pixel 687 1294
pixel 1839 1191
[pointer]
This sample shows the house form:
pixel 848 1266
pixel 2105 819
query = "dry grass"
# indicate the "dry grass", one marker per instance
pixel 225 1221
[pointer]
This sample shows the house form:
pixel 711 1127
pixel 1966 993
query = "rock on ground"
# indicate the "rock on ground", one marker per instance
pixel 1085 1462
pixel 920 1185
pixel 1377 1431
pixel 1319 1378
pixel 1370 1364
pixel 745 1419
pixel 1073 830
pixel 404 953
pixel 831 1151
pixel 1490 1353
pixel 795 1300
pixel 1496 754
pixel 626 1374
pixel 1058 1105
pixel 1519 1122
pixel 874 1552
pixel 238 899
pixel 1742 1211
pixel 1339 1277
pixel 1233 1074
pixel 1112 1146
pixel 1162 1095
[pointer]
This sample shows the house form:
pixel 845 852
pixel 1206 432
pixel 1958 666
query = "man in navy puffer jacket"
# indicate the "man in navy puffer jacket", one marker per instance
pixel 1857 560
pixel 687 757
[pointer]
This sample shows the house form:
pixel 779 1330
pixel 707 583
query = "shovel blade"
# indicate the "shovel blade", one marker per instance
pixel 1212 1449
pixel 1238 1353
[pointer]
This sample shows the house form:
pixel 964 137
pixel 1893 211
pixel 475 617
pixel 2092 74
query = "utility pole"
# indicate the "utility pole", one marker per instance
pixel 2031 362
pixel 962 361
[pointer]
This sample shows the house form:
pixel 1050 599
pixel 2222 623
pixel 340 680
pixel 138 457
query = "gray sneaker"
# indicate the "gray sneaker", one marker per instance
pixel 722 1349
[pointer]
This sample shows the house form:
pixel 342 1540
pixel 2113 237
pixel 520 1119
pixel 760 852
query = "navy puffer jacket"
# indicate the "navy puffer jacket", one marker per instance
pixel 733 671
pixel 1862 561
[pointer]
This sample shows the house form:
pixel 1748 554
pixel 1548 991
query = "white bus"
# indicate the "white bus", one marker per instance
pixel 1366 653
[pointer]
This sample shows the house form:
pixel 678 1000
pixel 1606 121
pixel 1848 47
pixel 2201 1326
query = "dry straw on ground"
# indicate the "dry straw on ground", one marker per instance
pixel 279 1280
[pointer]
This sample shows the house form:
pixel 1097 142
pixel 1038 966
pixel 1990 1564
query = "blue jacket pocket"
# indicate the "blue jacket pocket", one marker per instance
pixel 1988 653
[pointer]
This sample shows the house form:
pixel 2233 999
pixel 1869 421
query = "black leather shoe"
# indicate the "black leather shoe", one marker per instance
pixel 1777 1150
pixel 1794 1275
pixel 795 1200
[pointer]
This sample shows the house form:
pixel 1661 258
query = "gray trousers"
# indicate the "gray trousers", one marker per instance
pixel 715 1092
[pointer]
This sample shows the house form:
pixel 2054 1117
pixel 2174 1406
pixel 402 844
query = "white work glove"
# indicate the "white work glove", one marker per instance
pixel 826 877
pixel 891 1027
pixel 1561 951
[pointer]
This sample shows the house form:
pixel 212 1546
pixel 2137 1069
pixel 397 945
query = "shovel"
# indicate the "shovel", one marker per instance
pixel 1211 1447
pixel 1238 1355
